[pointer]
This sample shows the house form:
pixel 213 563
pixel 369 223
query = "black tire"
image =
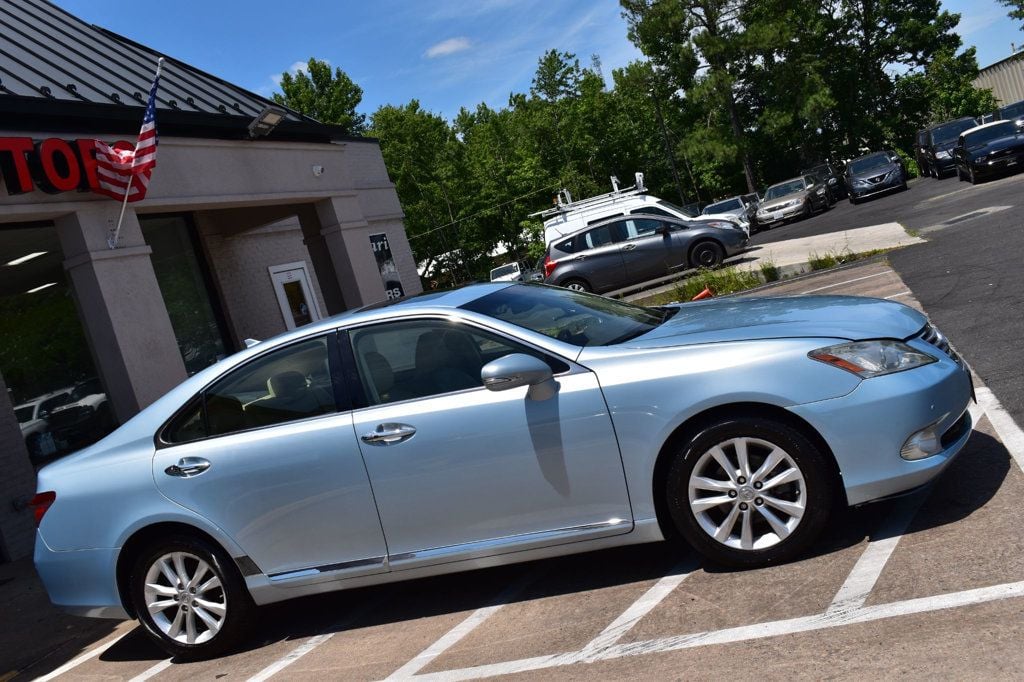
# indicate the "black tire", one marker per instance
pixel 232 593
pixel 706 254
pixel 817 491
pixel 972 177
pixel 576 284
pixel 854 200
pixel 34 445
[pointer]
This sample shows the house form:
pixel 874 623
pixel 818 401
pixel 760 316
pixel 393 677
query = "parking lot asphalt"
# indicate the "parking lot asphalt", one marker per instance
pixel 927 585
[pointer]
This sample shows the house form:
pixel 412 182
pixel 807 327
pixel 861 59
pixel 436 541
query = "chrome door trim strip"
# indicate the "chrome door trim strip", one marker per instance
pixel 511 543
pixel 374 562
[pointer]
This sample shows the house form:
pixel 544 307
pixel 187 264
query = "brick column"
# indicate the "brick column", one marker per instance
pixel 17 484
pixel 121 307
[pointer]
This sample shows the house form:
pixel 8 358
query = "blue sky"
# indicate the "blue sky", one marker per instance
pixel 446 53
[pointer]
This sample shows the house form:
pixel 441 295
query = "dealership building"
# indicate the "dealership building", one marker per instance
pixel 255 220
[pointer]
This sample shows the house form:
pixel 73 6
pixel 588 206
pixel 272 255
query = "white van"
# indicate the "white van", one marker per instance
pixel 567 215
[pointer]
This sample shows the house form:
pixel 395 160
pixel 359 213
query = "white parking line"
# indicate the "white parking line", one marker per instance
pixel 858 585
pixel 152 672
pixel 908 292
pixel 452 637
pixel 87 656
pixel 312 643
pixel 641 607
pixel 849 281
pixel 744 633
pixel 1006 428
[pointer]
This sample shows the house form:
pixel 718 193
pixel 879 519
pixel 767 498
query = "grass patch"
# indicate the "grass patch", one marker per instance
pixel 769 271
pixel 831 259
pixel 721 282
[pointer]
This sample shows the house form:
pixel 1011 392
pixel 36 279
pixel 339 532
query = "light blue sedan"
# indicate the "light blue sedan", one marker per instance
pixel 489 425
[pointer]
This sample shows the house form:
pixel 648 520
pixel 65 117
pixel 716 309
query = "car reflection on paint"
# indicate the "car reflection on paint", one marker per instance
pixel 494 424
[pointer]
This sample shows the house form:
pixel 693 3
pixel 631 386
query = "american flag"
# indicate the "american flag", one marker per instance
pixel 120 170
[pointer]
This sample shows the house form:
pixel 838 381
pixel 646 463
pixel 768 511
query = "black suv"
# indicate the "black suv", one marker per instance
pixel 832 176
pixel 938 148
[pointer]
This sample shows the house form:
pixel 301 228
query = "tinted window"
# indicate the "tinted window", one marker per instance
pixel 641 227
pixel 993 132
pixel 567 246
pixel 723 206
pixel 570 316
pixel 421 358
pixel 23 414
pixel 1015 110
pixel 866 163
pixel 601 236
pixel 947 133
pixel 282 386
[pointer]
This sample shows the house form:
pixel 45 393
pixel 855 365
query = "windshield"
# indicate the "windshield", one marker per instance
pixel 866 163
pixel 1012 110
pixel 986 135
pixel 679 210
pixel 949 132
pixel 23 414
pixel 504 270
pixel 723 206
pixel 784 188
pixel 570 316
pixel 821 170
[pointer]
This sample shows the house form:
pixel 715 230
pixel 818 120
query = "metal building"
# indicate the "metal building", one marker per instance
pixel 1005 78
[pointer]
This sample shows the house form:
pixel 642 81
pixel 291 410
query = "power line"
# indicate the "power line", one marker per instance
pixel 483 211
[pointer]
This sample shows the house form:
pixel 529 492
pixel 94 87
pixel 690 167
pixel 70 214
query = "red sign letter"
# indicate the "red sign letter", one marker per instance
pixel 15 167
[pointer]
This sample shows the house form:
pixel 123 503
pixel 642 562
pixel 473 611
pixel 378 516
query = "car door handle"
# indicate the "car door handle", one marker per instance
pixel 629 247
pixel 389 434
pixel 188 467
pixel 580 257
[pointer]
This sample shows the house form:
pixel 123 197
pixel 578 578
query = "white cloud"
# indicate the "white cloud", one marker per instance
pixel 975 22
pixel 447 47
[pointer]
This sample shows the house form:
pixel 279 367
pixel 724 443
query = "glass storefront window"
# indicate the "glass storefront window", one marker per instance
pixel 185 290
pixel 58 399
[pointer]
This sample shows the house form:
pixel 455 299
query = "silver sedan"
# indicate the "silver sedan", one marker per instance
pixel 488 425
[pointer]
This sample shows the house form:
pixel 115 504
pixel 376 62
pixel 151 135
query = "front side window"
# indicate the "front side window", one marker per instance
pixel 421 358
pixel 282 386
pixel 641 227
pixel 602 236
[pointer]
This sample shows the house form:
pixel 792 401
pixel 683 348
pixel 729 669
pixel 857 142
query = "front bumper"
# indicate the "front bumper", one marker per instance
pixel 778 216
pixel 81 582
pixel 889 183
pixel 943 166
pixel 867 427
pixel 1002 164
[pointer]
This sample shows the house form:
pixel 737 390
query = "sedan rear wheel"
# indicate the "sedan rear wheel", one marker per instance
pixel 750 492
pixel 576 285
pixel 190 599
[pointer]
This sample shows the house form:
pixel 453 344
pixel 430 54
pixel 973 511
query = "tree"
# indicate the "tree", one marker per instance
pixel 945 90
pixel 329 98
pixel 1016 10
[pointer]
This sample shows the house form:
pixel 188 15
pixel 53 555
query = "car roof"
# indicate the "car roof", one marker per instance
pixel 952 120
pixel 797 177
pixel 864 156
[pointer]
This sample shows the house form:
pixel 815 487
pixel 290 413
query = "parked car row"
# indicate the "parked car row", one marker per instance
pixel 940 149
pixel 64 420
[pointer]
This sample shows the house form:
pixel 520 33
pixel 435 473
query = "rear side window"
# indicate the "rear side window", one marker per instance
pixel 286 385
pixel 601 236
pixel 566 246
pixel 641 227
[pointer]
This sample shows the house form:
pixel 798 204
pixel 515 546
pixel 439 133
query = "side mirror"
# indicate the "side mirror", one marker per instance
pixel 518 369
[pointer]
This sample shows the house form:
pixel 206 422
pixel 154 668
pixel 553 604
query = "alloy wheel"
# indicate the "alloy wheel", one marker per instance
pixel 747 493
pixel 185 598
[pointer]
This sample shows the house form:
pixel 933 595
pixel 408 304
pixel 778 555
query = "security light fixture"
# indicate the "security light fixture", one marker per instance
pixel 266 121
pixel 26 258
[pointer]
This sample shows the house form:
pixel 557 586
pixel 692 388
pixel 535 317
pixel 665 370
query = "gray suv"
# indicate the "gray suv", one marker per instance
pixel 621 251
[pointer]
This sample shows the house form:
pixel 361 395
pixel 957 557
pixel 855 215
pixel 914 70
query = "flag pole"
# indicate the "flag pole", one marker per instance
pixel 112 240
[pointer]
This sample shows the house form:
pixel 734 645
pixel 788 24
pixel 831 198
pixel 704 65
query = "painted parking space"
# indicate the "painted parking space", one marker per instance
pixel 926 583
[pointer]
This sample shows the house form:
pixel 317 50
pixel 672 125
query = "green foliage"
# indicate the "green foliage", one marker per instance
pixel 1016 10
pixel 329 98
pixel 769 270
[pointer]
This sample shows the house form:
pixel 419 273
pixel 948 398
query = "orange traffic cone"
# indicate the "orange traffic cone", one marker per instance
pixel 707 293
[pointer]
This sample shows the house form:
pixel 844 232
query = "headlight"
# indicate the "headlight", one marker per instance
pixel 942 155
pixel 723 224
pixel 873 358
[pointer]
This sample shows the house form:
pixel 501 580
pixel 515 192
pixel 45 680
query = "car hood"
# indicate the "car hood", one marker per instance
pixel 743 319
pixel 775 203
pixel 874 172
pixel 997 145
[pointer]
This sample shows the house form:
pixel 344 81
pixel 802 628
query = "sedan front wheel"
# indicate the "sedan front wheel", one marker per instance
pixel 189 598
pixel 750 492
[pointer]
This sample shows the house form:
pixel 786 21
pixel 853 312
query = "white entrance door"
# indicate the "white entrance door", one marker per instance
pixel 294 294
